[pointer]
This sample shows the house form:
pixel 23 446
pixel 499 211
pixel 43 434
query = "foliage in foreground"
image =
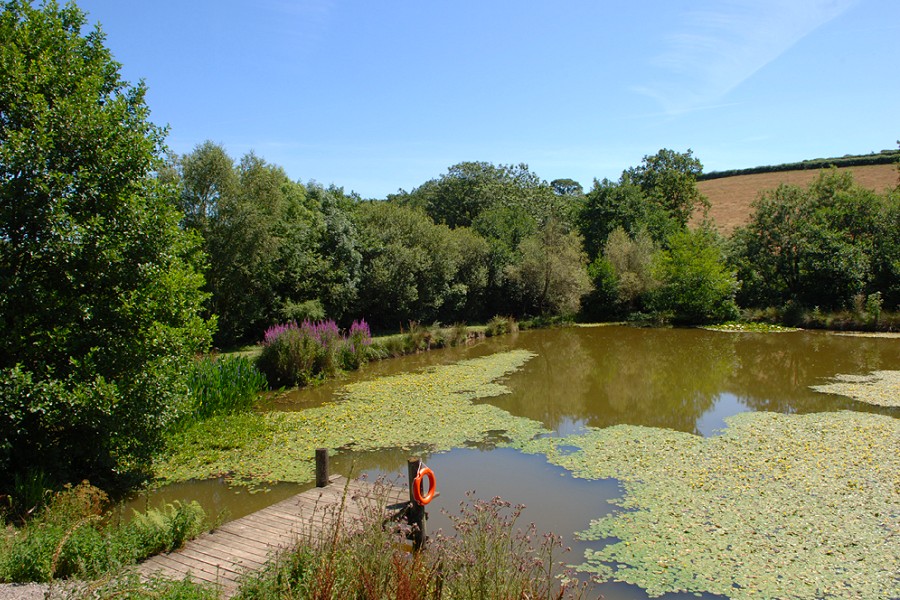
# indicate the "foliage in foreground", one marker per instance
pixel 70 537
pixel 489 557
pixel 432 408
pixel 100 289
pixel 777 506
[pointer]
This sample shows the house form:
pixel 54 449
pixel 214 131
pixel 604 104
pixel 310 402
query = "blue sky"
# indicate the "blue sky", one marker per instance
pixel 377 96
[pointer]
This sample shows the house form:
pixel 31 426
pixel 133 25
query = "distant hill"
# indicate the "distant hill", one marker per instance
pixel 730 195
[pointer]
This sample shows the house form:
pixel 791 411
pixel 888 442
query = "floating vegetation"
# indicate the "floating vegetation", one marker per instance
pixel 736 327
pixel 891 335
pixel 778 506
pixel 881 388
pixel 432 408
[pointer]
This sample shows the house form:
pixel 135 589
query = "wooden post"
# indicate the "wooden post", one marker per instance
pixel 322 467
pixel 416 515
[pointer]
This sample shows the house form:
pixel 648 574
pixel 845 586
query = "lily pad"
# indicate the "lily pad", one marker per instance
pixel 431 409
pixel 881 388
pixel 778 506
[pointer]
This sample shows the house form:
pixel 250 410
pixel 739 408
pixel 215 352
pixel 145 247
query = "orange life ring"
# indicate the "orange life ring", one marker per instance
pixel 417 486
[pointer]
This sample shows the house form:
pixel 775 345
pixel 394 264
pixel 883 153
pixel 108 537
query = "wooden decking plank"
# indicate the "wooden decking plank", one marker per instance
pixel 161 567
pixel 214 562
pixel 248 528
pixel 230 540
pixel 185 560
pixel 265 531
pixel 247 552
pixel 196 571
pixel 236 554
pixel 216 553
pixel 301 523
pixel 279 521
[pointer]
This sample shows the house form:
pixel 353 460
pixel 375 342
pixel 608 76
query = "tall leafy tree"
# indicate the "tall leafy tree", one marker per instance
pixel 99 287
pixel 409 265
pixel 468 189
pixel 696 285
pixel 623 204
pixel 207 177
pixel 817 246
pixel 551 276
pixel 631 261
pixel 669 179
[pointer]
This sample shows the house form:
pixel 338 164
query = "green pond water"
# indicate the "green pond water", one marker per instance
pixel 581 379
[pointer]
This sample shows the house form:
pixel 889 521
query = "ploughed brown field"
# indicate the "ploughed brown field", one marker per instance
pixel 730 197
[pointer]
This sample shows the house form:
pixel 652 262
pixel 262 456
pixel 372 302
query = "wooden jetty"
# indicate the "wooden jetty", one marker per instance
pixel 245 545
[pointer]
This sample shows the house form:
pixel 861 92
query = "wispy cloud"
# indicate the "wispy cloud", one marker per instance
pixel 714 49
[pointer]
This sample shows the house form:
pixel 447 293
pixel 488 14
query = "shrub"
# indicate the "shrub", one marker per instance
pixel 501 325
pixel 355 347
pixel 696 287
pixel 458 334
pixel 301 354
pixel 164 529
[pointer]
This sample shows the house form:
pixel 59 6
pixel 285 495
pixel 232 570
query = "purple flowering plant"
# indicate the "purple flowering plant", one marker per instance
pixel 299 354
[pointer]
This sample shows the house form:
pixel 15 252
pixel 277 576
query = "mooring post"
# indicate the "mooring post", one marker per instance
pixel 322 467
pixel 416 514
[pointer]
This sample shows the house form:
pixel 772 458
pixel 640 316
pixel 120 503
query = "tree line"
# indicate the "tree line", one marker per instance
pixel 119 263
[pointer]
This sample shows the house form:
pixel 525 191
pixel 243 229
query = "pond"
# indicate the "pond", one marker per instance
pixel 581 379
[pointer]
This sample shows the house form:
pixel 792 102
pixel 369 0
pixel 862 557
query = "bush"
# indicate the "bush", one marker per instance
pixel 301 354
pixel 696 286
pixel 500 326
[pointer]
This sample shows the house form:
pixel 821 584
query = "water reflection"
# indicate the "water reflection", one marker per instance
pixel 683 379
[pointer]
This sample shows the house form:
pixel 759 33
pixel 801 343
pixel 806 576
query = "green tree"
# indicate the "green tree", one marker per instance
pixel 471 254
pixel 601 303
pixel 207 176
pixel 818 246
pixel 623 204
pixel 504 228
pixel 696 285
pixel 669 179
pixel 632 262
pixel 99 287
pixel 551 276
pixel 567 187
pixel 468 189
pixel 408 265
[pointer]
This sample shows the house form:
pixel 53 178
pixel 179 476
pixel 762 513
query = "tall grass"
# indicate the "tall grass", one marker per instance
pixel 488 557
pixel 223 385
pixel 421 338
